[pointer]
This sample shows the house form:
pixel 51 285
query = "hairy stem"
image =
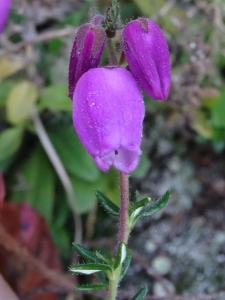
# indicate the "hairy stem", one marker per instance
pixel 124 230
pixel 123 233
pixel 61 172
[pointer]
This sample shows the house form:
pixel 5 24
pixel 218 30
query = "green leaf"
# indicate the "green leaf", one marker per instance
pixel 55 98
pixel 40 181
pixel 73 155
pixel 111 187
pixel 20 102
pixel 9 65
pixel 201 125
pixel 5 165
pixel 59 229
pixel 85 194
pixel 91 287
pixel 218 112
pixel 10 141
pixel 136 209
pixel 138 205
pixel 88 269
pixel 126 264
pixel 143 167
pixel 104 257
pixel 6 86
pixel 107 204
pixel 121 256
pixel 86 254
pixel 149 8
pixel 141 294
pixel 157 206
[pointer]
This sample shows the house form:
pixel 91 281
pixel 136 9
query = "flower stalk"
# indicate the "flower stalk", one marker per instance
pixel 124 230
pixel 123 234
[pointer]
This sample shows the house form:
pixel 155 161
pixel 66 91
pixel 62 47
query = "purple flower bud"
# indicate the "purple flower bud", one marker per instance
pixel 86 53
pixel 108 112
pixel 147 53
pixel 4 12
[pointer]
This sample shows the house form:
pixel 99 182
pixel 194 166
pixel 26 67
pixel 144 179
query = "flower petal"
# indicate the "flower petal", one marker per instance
pixel 108 112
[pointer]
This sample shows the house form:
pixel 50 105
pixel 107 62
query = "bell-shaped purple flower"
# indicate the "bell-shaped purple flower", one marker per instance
pixel 86 53
pixel 108 112
pixel 4 12
pixel 147 53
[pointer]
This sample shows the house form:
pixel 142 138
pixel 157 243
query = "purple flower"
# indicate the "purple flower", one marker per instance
pixel 4 12
pixel 86 53
pixel 108 112
pixel 147 53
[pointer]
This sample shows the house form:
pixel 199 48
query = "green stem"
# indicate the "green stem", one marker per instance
pixel 114 284
pixel 124 231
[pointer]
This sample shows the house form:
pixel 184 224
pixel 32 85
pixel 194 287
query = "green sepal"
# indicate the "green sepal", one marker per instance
pixel 141 294
pixel 157 206
pixel 91 287
pixel 88 269
pixel 126 264
pixel 107 204
pixel 121 256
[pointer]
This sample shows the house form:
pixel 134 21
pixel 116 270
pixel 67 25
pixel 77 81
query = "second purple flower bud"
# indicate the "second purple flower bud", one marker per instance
pixel 86 53
pixel 147 53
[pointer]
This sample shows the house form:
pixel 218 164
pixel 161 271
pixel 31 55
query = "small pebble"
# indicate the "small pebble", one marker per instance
pixel 162 265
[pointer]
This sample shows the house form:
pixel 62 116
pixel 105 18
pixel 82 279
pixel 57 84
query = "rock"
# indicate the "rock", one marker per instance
pixel 162 265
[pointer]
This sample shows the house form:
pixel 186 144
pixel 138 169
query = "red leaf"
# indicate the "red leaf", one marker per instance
pixel 2 190
pixel 31 231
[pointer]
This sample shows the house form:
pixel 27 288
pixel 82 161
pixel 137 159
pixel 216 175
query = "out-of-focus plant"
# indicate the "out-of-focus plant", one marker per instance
pixel 37 141
pixel 108 113
pixel 209 120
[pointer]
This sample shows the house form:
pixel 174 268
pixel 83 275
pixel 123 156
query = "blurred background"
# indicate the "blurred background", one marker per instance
pixel 180 251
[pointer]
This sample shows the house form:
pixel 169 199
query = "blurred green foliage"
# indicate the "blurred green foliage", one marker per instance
pixel 209 121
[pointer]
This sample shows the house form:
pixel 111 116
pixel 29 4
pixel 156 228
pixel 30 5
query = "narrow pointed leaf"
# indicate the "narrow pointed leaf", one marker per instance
pixel 157 206
pixel 121 255
pixel 141 294
pixel 85 253
pixel 88 269
pixel 91 287
pixel 107 204
pixel 102 257
pixel 136 210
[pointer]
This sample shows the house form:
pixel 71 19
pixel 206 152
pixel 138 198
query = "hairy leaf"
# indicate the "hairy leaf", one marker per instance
pixel 107 204
pixel 141 294
pixel 157 206
pixel 91 287
pixel 86 254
